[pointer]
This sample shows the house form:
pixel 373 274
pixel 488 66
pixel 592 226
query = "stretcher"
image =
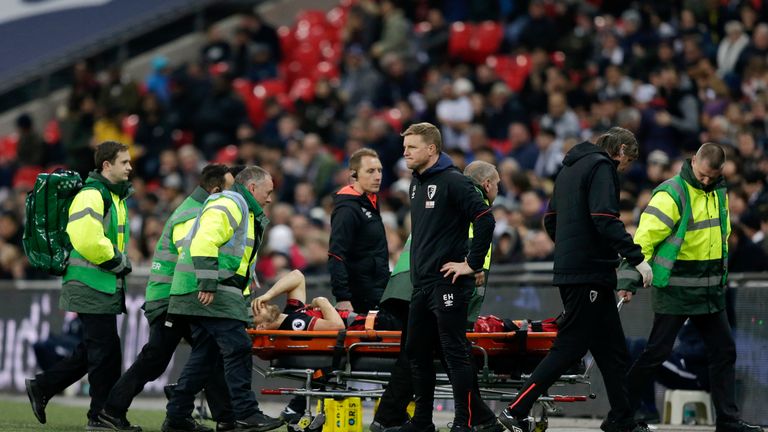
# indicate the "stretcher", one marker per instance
pixel 331 364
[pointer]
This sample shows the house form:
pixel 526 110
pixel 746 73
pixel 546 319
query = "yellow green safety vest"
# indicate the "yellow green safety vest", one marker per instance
pixel 116 230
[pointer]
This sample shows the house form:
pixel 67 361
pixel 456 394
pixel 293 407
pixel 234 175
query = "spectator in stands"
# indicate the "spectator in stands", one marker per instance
pixel 77 133
pixel 551 154
pixel 263 33
pixel 730 48
pixel 261 66
pixel 398 82
pixel 521 148
pixel 395 31
pixel 216 48
pixel 454 112
pixel 218 117
pixel 158 81
pixel 119 92
pixel 434 42
pixel 318 164
pixel 755 52
pixel 561 118
pixel 153 136
pixel 359 81
pixel 30 149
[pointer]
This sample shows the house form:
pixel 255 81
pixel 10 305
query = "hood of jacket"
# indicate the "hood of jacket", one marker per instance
pixel 583 150
pixel 348 195
pixel 444 162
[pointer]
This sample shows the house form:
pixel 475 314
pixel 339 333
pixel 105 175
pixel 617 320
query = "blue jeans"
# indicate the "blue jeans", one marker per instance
pixel 211 337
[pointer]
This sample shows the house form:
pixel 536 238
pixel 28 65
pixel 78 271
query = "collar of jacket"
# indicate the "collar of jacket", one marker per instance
pixel 480 189
pixel 444 162
pixel 123 189
pixel 687 174
pixel 253 205
pixel 200 194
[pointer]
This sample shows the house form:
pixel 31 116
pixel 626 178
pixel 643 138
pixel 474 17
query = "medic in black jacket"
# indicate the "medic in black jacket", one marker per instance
pixel 358 258
pixel 443 203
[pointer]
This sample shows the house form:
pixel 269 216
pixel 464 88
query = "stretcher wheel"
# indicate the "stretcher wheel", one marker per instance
pixel 301 424
pixel 317 423
pixel 541 425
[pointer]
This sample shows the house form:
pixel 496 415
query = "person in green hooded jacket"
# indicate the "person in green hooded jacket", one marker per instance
pixel 214 268
pixel 94 283
pixel 683 233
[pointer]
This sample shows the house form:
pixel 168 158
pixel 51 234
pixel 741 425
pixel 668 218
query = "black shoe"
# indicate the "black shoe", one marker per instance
pixel 377 427
pixel 491 425
pixel 737 426
pixel 625 426
pixel 186 425
pixel 36 398
pixel 118 423
pixel 258 422
pixel 168 390
pixel 96 425
pixel 647 417
pixel 225 426
pixel 460 428
pixel 290 416
pixel 409 426
pixel 512 423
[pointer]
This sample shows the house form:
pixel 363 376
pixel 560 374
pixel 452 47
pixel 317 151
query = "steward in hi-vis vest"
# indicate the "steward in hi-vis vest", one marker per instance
pixel 94 283
pixel 683 233
pixel 215 267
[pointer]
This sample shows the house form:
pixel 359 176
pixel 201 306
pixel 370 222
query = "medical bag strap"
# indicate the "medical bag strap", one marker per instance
pixel 370 320
pixel 522 337
pixel 339 349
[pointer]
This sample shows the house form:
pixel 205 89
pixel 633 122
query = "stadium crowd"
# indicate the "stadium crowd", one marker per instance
pixel 516 84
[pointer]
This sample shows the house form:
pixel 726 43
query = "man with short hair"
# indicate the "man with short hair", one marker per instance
pixel 397 297
pixel 214 268
pixel 94 284
pixel 358 258
pixel 164 333
pixel 684 233
pixel 583 220
pixel 443 204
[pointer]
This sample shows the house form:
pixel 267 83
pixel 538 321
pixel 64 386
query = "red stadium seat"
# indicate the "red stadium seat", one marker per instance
pixel 8 145
pixel 226 155
pixel 52 132
pixel 25 177
pixel 302 88
pixel 485 40
pixel 129 125
pixel 311 16
pixel 513 70
pixel 459 39
pixel 287 40
pixel 269 88
pixel 243 87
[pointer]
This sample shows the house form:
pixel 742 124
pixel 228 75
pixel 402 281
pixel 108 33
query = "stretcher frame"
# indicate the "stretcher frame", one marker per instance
pixel 320 381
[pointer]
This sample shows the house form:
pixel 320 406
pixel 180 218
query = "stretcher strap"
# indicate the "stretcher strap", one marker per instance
pixel 522 337
pixel 339 349
pixel 370 319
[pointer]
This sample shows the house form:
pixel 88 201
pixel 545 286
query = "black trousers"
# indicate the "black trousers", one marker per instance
pixel 216 340
pixel 716 333
pixel 437 321
pixel 98 355
pixel 591 322
pixel 399 392
pixel 153 360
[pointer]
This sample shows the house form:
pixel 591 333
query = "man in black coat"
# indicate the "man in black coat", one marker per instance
pixel 583 220
pixel 443 204
pixel 358 258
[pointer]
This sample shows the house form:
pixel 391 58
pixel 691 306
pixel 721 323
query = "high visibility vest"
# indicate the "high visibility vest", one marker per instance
pixel 666 253
pixel 167 251
pixel 232 258
pixel 116 230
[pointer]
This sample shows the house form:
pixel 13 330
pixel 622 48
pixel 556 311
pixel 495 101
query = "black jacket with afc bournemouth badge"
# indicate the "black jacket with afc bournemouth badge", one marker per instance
pixel 443 204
